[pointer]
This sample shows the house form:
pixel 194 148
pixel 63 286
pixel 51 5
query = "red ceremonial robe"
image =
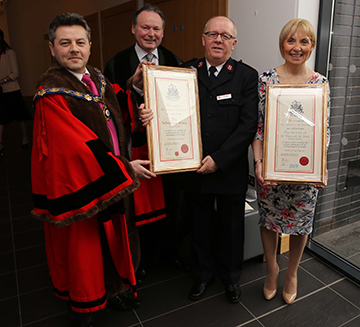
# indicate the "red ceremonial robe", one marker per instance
pixel 149 197
pixel 75 178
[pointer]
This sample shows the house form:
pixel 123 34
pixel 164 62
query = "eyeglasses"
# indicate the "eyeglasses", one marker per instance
pixel 214 35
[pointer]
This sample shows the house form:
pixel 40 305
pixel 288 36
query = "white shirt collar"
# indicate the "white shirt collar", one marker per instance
pixel 79 75
pixel 218 68
pixel 141 53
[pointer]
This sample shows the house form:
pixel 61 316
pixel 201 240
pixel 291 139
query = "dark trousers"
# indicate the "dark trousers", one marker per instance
pixel 162 239
pixel 79 317
pixel 217 231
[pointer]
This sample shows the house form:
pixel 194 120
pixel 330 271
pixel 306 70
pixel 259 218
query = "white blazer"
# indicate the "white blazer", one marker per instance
pixel 9 67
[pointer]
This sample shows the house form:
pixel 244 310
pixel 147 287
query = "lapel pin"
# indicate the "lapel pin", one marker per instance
pixel 229 67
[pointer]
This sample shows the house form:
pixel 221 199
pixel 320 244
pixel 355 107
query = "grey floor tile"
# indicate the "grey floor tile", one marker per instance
pixel 4 214
pixel 4 202
pixel 253 299
pixel 20 189
pixel 324 308
pixel 355 259
pixel 22 199
pixel 349 290
pixel 30 238
pixel 5 228
pixel 321 271
pixel 59 320
pixel 161 273
pixel 30 257
pixel 9 313
pixel 344 240
pixel 40 304
pixel 113 318
pixel 7 262
pixel 6 243
pixel 8 285
pixel 21 211
pixel 254 323
pixel 255 268
pixel 170 295
pixel 34 278
pixel 26 223
pixel 214 311
pixel 353 322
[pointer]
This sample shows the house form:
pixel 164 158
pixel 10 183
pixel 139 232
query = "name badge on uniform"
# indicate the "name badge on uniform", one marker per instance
pixel 224 97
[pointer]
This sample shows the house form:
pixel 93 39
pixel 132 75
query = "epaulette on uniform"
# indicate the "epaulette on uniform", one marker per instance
pixel 245 64
pixel 188 61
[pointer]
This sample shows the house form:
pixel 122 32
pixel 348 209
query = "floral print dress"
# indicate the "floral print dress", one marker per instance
pixel 286 208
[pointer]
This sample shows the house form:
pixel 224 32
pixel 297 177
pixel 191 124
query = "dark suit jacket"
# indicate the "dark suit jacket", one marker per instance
pixel 229 117
pixel 123 65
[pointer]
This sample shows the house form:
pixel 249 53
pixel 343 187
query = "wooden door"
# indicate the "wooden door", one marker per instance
pixel 116 29
pixel 95 57
pixel 185 21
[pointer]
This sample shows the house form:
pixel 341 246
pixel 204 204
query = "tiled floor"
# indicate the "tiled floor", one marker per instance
pixel 344 241
pixel 325 297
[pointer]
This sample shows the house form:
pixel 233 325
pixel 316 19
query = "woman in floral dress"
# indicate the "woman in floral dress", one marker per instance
pixel 286 208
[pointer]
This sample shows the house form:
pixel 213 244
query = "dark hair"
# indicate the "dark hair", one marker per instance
pixel 149 8
pixel 3 45
pixel 68 19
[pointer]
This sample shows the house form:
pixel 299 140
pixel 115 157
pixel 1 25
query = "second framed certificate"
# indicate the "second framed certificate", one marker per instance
pixel 295 133
pixel 173 135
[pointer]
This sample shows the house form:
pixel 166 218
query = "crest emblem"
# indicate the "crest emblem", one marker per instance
pixel 172 93
pixel 229 67
pixel 200 64
pixel 297 107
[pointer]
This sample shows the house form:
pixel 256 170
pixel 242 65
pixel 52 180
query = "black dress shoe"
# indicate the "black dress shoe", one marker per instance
pixel 87 324
pixel 179 264
pixel 140 275
pixel 198 291
pixel 121 302
pixel 233 293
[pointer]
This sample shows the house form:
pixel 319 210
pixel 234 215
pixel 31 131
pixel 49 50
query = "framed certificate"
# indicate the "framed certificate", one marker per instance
pixel 173 135
pixel 295 133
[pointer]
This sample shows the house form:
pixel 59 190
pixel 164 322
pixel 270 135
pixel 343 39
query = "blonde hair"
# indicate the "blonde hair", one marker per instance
pixel 290 29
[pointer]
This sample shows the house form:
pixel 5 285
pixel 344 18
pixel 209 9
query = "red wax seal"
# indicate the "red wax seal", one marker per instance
pixel 304 161
pixel 176 153
pixel 200 64
pixel 184 148
pixel 229 68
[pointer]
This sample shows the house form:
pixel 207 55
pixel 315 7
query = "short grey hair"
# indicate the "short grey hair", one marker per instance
pixel 208 22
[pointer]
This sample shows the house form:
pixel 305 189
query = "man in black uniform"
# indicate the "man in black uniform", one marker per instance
pixel 228 110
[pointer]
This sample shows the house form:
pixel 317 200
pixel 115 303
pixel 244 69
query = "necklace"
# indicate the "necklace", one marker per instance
pixel 297 82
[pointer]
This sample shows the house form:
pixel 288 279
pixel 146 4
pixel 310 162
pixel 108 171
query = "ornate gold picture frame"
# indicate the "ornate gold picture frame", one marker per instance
pixel 295 133
pixel 173 135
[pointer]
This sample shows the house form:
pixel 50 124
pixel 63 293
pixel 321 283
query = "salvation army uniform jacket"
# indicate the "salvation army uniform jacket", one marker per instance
pixel 229 116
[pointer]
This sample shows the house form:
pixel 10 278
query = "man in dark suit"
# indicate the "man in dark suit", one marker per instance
pixel 216 192
pixel 148 28
pixel 125 69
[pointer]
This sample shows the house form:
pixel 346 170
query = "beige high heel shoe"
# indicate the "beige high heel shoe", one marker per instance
pixel 270 294
pixel 289 298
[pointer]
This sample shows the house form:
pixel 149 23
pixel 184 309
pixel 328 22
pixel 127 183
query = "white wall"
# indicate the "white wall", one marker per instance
pixel 259 23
